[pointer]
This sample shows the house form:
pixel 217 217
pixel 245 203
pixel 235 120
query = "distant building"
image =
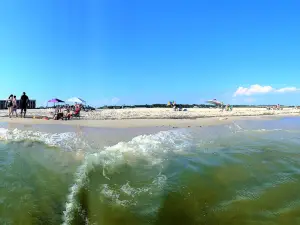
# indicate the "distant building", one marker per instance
pixel 31 104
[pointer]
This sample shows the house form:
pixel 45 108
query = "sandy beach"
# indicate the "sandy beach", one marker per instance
pixel 164 113
pixel 143 117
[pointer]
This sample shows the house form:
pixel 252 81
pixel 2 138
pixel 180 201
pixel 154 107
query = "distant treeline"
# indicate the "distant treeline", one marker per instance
pixel 182 106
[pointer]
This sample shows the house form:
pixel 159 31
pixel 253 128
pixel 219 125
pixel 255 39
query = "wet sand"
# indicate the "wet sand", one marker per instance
pixel 136 123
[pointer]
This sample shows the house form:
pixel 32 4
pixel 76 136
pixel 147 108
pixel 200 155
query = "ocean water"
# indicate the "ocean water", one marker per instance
pixel 245 172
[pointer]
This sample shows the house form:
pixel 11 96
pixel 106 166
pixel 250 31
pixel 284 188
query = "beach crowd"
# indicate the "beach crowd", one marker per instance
pixel 67 112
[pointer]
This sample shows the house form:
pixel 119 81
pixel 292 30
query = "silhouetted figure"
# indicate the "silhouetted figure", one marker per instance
pixel 24 103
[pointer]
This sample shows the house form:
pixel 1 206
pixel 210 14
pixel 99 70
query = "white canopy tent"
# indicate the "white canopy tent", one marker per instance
pixel 77 100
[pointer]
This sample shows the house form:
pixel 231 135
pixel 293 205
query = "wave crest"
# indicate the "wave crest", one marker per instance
pixel 152 149
pixel 68 141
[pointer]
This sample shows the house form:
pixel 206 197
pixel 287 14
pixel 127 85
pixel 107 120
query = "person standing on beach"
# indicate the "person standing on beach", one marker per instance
pixel 23 104
pixel 9 105
pixel 15 106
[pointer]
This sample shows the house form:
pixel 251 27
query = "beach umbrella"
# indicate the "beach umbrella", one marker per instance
pixel 214 102
pixel 76 99
pixel 55 100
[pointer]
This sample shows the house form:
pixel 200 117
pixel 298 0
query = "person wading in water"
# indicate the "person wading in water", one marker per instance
pixel 24 103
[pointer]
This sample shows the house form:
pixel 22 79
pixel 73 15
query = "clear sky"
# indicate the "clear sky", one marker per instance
pixel 151 51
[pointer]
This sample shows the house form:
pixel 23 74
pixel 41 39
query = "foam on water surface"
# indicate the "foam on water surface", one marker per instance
pixel 152 149
pixel 67 141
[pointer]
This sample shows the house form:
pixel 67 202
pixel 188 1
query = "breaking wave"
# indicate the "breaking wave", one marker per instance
pixel 151 150
pixel 68 141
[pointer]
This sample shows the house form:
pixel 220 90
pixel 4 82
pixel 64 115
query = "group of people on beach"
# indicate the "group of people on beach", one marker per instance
pixel 67 112
pixel 275 107
pixel 12 105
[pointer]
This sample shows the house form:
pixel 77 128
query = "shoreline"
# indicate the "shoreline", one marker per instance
pixel 141 123
pixel 101 133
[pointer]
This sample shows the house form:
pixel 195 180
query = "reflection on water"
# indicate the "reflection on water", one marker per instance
pixel 245 174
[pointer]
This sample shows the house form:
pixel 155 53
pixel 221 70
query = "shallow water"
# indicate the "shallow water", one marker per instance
pixel 247 172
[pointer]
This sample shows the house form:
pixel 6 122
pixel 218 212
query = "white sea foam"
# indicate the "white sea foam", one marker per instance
pixel 109 191
pixel 266 130
pixel 68 140
pixel 72 206
pixel 3 133
pixel 151 148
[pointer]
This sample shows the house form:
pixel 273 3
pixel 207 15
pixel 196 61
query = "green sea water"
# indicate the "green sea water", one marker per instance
pixel 241 173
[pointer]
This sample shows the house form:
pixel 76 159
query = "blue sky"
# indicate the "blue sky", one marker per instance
pixel 150 51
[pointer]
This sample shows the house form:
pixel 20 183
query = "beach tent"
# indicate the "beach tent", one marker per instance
pixel 77 100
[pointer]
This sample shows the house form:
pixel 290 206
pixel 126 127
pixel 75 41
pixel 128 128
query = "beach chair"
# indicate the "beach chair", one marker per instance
pixel 76 114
